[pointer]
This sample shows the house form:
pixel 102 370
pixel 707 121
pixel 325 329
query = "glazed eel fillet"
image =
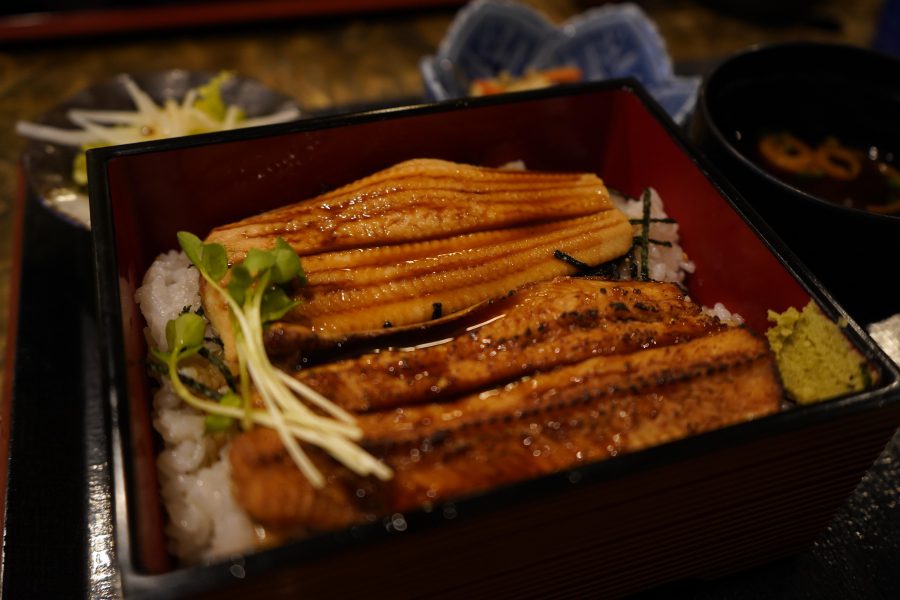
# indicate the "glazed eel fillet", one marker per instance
pixel 422 240
pixel 543 326
pixel 638 365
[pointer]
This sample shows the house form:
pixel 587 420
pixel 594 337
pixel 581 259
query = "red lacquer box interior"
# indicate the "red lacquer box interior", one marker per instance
pixel 695 508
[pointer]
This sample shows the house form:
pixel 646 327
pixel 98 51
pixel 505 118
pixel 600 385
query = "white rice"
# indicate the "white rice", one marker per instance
pixel 168 286
pixel 723 314
pixel 665 263
pixel 205 523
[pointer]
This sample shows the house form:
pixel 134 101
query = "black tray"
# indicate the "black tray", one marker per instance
pixel 58 540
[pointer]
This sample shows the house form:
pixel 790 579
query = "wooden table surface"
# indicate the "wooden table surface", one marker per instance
pixel 332 62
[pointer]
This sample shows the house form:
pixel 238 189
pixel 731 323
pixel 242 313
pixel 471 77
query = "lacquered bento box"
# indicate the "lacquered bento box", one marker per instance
pixel 695 508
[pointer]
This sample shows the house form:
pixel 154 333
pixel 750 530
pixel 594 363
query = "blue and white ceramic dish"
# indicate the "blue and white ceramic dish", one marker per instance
pixel 488 37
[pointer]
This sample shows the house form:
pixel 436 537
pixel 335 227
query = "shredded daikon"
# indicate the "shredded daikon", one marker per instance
pixel 254 297
pixel 149 120
pixel 197 112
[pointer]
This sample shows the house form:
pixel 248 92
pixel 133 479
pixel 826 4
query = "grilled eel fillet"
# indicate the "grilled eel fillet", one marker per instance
pixel 527 421
pixel 541 327
pixel 420 240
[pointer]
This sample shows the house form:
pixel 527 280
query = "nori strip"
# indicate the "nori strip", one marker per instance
pixel 653 220
pixel 571 260
pixel 221 366
pixel 190 382
pixel 639 269
pixel 644 274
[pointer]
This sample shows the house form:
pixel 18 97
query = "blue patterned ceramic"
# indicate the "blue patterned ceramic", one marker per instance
pixel 490 36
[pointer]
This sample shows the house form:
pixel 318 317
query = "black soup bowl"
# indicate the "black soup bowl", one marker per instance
pixel 824 96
